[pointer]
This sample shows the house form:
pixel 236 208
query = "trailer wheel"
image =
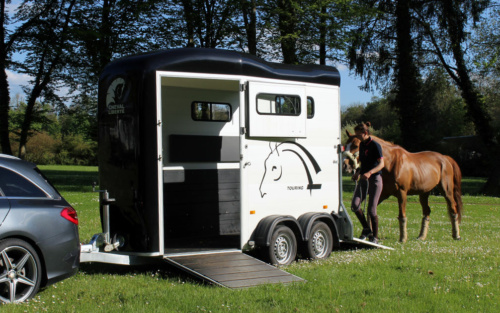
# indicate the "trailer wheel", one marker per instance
pixel 320 242
pixel 283 248
pixel 20 271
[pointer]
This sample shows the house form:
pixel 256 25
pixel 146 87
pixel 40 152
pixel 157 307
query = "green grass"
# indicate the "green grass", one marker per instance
pixel 438 275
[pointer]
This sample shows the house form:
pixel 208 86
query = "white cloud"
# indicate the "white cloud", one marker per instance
pixel 17 78
pixel 16 81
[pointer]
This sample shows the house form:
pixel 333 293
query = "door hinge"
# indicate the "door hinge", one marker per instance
pixel 243 87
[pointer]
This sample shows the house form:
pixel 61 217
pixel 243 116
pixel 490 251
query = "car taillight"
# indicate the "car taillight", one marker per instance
pixel 70 214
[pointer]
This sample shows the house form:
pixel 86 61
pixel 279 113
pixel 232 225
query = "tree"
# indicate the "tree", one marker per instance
pixel 353 114
pixel 449 49
pixel 383 51
pixel 206 24
pixel 4 84
pixel 45 45
pixel 102 31
pixel 7 42
pixel 249 15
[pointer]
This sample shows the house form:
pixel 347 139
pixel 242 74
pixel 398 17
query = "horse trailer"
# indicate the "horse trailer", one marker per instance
pixel 205 154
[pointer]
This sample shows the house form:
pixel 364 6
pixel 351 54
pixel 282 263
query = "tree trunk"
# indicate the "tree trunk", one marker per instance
pixel 28 115
pixel 249 10
pixel 105 53
pixel 4 88
pixel 189 18
pixel 322 36
pixel 287 24
pixel 4 109
pixel 407 99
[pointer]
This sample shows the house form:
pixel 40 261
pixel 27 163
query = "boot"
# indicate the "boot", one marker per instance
pixel 366 228
pixel 374 237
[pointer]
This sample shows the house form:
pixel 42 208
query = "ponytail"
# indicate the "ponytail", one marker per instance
pixel 363 127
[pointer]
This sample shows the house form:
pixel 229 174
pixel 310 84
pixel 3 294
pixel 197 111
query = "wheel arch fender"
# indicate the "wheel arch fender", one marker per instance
pixel 264 230
pixel 307 220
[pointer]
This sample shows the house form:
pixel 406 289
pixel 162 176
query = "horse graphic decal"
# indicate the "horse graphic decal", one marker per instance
pixel 275 166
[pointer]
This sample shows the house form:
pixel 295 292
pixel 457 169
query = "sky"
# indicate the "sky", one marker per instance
pixel 350 93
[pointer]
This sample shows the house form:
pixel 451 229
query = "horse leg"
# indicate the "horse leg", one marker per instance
pixel 447 189
pixel 403 234
pixel 424 202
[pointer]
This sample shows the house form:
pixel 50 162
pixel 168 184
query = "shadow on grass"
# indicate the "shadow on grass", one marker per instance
pixel 162 270
pixel 76 181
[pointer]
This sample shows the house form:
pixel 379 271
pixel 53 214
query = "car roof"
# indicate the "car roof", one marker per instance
pixel 27 170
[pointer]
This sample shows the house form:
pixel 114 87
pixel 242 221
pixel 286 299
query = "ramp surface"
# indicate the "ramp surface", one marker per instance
pixel 231 269
pixel 368 243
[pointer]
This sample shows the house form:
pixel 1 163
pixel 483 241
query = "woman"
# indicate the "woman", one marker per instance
pixel 370 177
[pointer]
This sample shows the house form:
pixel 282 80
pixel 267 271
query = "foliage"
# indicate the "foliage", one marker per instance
pixel 65 138
pixel 445 116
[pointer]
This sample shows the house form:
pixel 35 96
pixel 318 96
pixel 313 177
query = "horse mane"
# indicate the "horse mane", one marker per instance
pixel 386 143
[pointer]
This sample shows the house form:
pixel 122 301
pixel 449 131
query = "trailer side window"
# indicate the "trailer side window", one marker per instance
pixel 310 107
pixel 210 111
pixel 278 104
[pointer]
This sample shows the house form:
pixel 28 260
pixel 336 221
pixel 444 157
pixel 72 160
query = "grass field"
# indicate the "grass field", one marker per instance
pixel 437 275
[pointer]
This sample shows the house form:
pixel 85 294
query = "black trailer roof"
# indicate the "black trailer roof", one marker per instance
pixel 214 61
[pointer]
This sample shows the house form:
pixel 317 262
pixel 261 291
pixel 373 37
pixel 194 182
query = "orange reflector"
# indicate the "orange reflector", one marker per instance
pixel 252 212
pixel 325 207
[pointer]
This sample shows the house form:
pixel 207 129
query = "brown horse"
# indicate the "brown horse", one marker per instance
pixel 408 173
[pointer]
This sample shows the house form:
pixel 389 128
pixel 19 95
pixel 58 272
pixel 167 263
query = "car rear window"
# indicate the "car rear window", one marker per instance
pixel 14 185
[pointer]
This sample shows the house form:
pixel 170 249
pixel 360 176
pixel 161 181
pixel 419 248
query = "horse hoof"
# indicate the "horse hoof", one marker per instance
pixel 421 238
pixel 457 238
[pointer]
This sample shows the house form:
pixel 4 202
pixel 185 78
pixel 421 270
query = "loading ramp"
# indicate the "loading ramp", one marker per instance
pixel 365 243
pixel 231 269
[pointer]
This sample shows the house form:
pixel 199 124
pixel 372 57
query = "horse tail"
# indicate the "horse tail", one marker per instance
pixel 457 187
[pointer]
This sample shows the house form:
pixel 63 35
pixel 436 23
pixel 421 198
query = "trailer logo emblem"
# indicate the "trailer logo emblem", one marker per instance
pixel 273 168
pixel 115 96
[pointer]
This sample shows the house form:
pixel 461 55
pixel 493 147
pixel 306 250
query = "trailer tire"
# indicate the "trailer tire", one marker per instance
pixel 320 242
pixel 283 247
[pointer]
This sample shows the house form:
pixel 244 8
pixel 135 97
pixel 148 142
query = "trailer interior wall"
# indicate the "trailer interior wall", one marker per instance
pixel 200 166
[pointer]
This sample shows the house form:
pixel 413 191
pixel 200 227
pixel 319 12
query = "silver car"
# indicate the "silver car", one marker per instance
pixel 39 242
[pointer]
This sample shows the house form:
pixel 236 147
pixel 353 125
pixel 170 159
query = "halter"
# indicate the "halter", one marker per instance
pixel 353 158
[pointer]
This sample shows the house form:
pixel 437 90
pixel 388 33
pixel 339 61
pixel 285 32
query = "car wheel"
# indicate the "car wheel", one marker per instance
pixel 20 271
pixel 320 242
pixel 283 248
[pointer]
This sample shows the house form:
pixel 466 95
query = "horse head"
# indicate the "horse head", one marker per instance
pixel 351 153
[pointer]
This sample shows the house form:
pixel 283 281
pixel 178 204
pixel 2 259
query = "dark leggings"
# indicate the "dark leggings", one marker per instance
pixel 375 185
